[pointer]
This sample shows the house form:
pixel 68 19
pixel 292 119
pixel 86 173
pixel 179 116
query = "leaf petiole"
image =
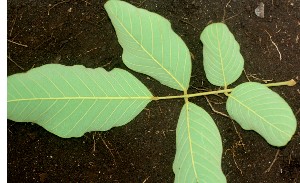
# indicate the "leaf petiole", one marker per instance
pixel 284 83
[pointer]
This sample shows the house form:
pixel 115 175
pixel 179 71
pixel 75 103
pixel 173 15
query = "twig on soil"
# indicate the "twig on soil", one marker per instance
pixel 51 7
pixel 192 56
pixel 224 13
pixel 231 17
pixel 259 79
pixel 141 3
pixel 274 44
pixel 32 66
pixel 92 49
pixel 184 21
pixel 9 131
pixel 224 10
pixel 14 21
pixel 146 179
pixel 24 45
pixel 109 149
pixel 276 157
pixel 137 4
pixel 232 150
pixel 247 76
pixel 94 144
pixel 241 143
pixel 15 63
pixel 254 77
pixel 290 157
pixel 214 110
pixel 107 64
pixel 235 146
pixel 267 80
pixel 237 166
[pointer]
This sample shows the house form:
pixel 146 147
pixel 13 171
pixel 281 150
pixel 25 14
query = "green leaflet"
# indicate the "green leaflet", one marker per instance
pixel 255 107
pixel 69 101
pixel 223 62
pixel 198 147
pixel 149 44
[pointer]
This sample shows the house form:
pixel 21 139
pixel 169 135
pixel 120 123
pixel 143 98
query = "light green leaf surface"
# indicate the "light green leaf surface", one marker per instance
pixel 223 62
pixel 255 107
pixel 149 44
pixel 198 147
pixel 71 100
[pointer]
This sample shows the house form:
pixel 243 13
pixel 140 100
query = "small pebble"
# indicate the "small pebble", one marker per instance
pixel 260 10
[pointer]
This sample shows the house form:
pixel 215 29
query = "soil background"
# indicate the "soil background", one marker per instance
pixel 80 33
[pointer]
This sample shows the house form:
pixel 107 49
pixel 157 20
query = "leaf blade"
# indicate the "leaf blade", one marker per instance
pixel 149 45
pixel 71 100
pixel 198 147
pixel 256 107
pixel 223 62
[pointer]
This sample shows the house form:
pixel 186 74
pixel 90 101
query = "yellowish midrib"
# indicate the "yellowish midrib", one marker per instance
pixel 150 55
pixel 255 113
pixel 190 139
pixel 221 60
pixel 82 98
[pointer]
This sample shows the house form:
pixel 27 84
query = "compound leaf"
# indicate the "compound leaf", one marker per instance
pixel 71 100
pixel 149 44
pixel 223 62
pixel 198 147
pixel 255 107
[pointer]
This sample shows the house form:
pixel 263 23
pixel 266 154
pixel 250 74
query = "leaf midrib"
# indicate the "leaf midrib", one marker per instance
pixel 83 98
pixel 255 113
pixel 190 139
pixel 221 60
pixel 150 55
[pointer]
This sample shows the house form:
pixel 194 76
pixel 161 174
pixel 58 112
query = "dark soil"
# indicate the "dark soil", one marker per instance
pixel 80 32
